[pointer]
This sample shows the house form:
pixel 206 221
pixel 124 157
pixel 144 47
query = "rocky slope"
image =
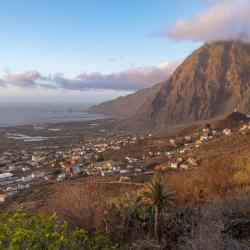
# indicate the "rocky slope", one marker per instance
pixel 212 81
pixel 127 106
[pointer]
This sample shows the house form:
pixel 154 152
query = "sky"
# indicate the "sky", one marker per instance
pixel 94 50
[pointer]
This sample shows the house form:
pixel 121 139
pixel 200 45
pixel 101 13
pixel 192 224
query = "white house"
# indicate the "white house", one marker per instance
pixel 172 141
pixel 35 158
pixel 171 152
pixel 214 132
pixel 227 131
pixel 203 138
pixel 123 171
pixel 124 178
pixel 187 138
pixel 107 172
pixel 37 175
pixel 61 177
pixel 174 165
pixel 205 130
pixel 184 166
pixel 24 169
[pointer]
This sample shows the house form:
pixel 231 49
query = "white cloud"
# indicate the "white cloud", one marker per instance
pixel 129 80
pixel 226 20
pixel 26 79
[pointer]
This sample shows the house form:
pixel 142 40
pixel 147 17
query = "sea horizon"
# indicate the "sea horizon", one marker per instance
pixel 19 114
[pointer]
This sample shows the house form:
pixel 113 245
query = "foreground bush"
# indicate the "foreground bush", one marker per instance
pixel 25 231
pixel 222 224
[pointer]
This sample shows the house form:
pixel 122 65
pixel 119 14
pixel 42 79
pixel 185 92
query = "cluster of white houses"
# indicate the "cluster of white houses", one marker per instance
pixel 21 168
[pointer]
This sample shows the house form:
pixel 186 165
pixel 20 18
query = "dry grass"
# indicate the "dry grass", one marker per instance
pixel 84 203
pixel 208 199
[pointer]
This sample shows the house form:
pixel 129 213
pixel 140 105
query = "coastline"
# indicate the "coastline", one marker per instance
pixel 60 134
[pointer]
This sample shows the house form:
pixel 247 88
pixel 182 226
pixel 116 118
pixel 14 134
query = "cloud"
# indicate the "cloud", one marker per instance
pixel 26 79
pixel 128 80
pixel 226 20
pixel 132 79
pixel 2 83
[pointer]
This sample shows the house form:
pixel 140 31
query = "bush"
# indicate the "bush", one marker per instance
pixel 26 231
pixel 207 226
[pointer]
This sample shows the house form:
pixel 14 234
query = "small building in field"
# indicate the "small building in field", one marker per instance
pixel 227 131
pixel 184 166
pixel 174 165
pixel 188 138
pixel 37 175
pixel 192 161
pixel 6 196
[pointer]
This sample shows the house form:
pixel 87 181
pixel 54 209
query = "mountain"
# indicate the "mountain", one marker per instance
pixel 212 81
pixel 127 106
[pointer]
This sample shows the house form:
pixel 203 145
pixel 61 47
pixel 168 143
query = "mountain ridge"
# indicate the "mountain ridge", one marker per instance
pixel 212 81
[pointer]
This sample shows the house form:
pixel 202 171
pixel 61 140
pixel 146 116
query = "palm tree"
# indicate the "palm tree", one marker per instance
pixel 156 195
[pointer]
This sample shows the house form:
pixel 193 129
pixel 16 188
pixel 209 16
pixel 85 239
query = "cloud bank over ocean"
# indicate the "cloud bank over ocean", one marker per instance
pixel 131 79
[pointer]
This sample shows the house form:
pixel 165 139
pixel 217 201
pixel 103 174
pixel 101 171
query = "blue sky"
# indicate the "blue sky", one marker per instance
pixel 71 36
pixel 79 37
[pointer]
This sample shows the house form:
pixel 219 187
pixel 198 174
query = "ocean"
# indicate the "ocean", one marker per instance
pixel 16 114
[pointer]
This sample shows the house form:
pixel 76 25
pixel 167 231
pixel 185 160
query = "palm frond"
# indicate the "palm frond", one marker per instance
pixel 156 194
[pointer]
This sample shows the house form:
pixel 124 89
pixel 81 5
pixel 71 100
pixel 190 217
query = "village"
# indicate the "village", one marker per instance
pixel 20 169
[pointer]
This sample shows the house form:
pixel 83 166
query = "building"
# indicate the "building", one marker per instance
pixel 192 161
pixel 227 131
pixel 184 166
pixel 35 158
pixel 63 177
pixel 188 138
pixel 37 175
pixel 174 165
pixel 6 196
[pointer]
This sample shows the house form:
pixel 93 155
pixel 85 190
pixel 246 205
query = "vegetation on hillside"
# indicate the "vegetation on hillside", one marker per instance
pixel 211 207
pixel 23 231
pixel 204 208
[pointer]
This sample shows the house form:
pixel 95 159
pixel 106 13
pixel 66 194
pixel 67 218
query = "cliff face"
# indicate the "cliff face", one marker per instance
pixel 212 81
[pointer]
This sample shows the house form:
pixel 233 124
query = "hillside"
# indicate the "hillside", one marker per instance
pixel 212 81
pixel 127 106
pixel 235 119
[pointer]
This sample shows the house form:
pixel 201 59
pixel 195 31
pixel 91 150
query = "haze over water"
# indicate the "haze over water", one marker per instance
pixel 16 114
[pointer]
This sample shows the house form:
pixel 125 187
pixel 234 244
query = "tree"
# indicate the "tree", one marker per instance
pixel 156 195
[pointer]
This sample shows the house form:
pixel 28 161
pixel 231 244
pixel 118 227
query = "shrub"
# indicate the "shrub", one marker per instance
pixel 206 226
pixel 26 231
